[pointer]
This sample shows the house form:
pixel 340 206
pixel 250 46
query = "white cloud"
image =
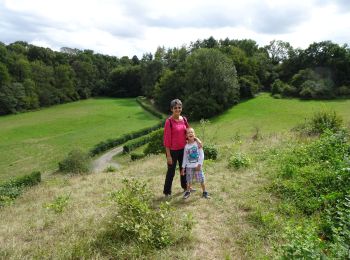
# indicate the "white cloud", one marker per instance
pixel 128 27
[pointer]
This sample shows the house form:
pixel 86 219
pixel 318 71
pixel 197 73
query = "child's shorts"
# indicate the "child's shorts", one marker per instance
pixel 191 173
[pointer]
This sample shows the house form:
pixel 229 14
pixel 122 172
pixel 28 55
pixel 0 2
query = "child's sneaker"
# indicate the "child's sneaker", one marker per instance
pixel 187 194
pixel 205 195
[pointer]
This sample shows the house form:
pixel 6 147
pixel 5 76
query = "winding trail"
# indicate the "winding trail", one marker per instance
pixel 105 160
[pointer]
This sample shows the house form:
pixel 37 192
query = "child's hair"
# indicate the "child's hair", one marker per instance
pixel 190 128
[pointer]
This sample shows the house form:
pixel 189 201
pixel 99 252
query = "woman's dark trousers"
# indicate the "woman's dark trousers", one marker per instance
pixel 177 156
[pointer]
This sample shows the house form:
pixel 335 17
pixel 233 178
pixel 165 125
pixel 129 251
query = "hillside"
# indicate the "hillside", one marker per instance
pixel 70 217
pixel 38 140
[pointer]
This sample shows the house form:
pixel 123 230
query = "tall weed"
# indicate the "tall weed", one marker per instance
pixel 138 228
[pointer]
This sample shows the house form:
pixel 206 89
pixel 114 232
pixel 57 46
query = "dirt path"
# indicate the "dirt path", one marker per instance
pixel 105 160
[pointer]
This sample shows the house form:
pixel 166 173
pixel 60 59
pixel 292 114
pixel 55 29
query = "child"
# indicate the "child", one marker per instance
pixel 192 162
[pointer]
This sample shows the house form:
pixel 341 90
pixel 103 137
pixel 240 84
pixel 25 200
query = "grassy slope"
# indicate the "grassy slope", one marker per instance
pixel 38 140
pixel 237 223
pixel 270 115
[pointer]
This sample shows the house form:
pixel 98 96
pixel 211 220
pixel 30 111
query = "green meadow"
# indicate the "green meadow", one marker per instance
pixel 39 140
pixel 269 115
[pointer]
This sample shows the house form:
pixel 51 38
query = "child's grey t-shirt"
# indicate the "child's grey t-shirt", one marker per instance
pixel 193 155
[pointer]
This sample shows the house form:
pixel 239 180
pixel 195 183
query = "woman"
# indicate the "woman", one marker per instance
pixel 174 142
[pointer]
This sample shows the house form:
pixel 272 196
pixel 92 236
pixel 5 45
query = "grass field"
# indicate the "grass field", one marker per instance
pixel 269 115
pixel 242 220
pixel 38 140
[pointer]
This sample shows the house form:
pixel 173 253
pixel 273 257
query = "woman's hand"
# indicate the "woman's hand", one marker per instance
pixel 200 145
pixel 169 160
pixel 198 168
pixel 183 172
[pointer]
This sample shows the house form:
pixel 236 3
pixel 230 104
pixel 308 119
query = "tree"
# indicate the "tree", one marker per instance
pixel 19 68
pixel 43 76
pixel 4 75
pixel 211 78
pixel 279 51
pixel 170 86
pixel 31 94
pixel 64 82
pixel 85 73
pixel 125 82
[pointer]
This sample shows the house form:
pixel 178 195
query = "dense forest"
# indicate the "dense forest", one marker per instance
pixel 208 75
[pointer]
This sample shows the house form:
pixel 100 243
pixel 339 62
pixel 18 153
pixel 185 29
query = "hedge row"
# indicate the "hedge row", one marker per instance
pixel 13 188
pixel 137 156
pixel 135 143
pixel 110 143
pixel 149 108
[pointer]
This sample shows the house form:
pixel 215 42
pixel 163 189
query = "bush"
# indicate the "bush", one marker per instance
pixel 135 143
pixel 315 175
pixel 320 122
pixel 138 228
pixel 76 162
pixel 155 145
pixel 210 152
pixel 343 91
pixel 303 243
pixel 277 87
pixel 149 108
pixel 248 86
pixel 325 120
pixel 239 160
pixel 316 89
pixel 58 204
pixel 14 188
pixel 110 143
pixel 136 156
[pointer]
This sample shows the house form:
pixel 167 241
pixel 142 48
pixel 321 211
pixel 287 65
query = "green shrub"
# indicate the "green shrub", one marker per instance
pixel 76 162
pixel 155 145
pixel 336 222
pixel 302 242
pixel 210 152
pixel 27 180
pixel 316 89
pixel 320 122
pixel 110 168
pixel 14 187
pixel 136 156
pixel 138 228
pixel 314 175
pixel 305 242
pixel 315 178
pixel 277 87
pixel 148 107
pixel 239 160
pixel 58 204
pixel 323 120
pixel 135 143
pixel 343 91
pixel 110 143
pixel 248 86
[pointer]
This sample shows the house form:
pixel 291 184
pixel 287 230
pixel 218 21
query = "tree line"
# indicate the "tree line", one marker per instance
pixel 208 75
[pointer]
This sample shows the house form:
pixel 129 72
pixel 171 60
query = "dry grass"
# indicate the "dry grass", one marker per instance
pixel 230 225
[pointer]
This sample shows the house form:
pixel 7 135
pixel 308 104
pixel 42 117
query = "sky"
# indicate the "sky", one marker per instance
pixel 134 27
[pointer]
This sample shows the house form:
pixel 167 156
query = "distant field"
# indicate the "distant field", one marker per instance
pixel 269 115
pixel 38 140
